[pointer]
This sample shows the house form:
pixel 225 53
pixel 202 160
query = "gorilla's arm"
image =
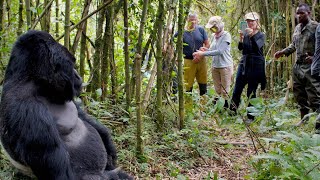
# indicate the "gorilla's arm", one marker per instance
pixel 35 141
pixel 105 136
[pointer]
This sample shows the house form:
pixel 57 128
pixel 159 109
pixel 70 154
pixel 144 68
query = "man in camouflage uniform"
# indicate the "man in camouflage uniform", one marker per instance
pixel 306 88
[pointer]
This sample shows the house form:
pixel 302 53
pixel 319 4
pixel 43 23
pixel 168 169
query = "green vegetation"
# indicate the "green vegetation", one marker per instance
pixel 214 143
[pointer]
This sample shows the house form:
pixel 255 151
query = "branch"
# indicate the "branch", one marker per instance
pixel 42 14
pixel 85 18
pixel 233 143
pixel 204 6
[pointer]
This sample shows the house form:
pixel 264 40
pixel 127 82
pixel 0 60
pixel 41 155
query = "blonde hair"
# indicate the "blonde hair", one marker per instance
pixel 253 16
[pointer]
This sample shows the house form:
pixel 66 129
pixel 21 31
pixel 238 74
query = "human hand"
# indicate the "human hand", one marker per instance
pixel 278 54
pixel 249 31
pixel 203 49
pixel 197 56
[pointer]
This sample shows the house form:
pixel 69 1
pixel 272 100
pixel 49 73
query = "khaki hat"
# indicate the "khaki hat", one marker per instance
pixel 252 16
pixel 214 21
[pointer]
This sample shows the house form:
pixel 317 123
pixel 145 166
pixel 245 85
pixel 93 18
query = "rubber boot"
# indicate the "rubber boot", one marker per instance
pixel 226 104
pixel 203 89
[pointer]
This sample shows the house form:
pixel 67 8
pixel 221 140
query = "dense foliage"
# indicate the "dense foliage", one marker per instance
pixel 213 144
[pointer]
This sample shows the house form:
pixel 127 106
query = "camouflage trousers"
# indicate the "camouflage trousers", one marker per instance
pixel 306 89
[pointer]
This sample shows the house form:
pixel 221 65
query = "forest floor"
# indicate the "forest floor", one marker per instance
pixel 232 146
pixel 234 153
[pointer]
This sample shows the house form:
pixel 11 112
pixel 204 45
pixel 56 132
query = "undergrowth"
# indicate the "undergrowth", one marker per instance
pixel 282 151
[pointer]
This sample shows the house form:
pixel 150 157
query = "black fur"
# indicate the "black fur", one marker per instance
pixel 41 72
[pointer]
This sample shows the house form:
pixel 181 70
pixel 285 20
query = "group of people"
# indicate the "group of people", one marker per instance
pixel 251 69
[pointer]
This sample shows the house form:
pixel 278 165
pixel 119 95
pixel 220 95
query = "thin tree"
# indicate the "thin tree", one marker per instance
pixel 20 17
pixel 28 13
pixel 57 19
pixel 159 59
pixel 138 80
pixel 88 16
pixel 8 10
pixel 1 28
pixel 180 65
pixel 85 12
pixel 44 25
pixel 45 21
pixel 107 51
pixel 126 53
pixel 113 67
pixel 83 46
pixel 96 80
pixel 83 41
pixel 1 16
pixel 67 25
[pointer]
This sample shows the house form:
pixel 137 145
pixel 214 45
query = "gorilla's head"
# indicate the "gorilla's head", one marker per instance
pixel 37 57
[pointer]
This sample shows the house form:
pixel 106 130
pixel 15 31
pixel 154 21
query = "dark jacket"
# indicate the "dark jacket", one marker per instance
pixel 252 64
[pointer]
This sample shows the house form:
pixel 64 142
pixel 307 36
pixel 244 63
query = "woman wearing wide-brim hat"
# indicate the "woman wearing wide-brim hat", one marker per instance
pixel 251 69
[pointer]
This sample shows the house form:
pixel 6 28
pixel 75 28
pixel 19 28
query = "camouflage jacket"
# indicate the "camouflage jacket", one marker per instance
pixel 303 41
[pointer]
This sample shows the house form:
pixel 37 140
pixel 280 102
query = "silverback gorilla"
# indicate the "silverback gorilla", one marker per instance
pixel 43 131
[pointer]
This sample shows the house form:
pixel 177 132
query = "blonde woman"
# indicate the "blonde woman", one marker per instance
pixel 251 69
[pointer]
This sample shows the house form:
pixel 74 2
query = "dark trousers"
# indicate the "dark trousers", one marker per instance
pixel 306 88
pixel 241 82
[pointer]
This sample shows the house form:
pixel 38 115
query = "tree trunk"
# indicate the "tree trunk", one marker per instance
pixel 43 18
pixel 81 26
pixel 108 54
pixel 8 3
pixel 168 49
pixel 159 60
pixel 126 54
pixel 96 79
pixel 45 21
pixel 88 16
pixel 149 88
pixel 1 16
pixel 67 25
pixel 20 18
pixel 57 19
pixel 137 62
pixel 28 13
pixel 83 46
pixel 1 42
pixel 113 67
pixel 181 21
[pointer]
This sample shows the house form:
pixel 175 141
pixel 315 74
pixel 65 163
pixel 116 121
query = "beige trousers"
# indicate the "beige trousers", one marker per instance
pixel 222 78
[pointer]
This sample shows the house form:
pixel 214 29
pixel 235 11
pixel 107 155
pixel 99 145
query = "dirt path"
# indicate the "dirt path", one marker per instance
pixel 233 162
